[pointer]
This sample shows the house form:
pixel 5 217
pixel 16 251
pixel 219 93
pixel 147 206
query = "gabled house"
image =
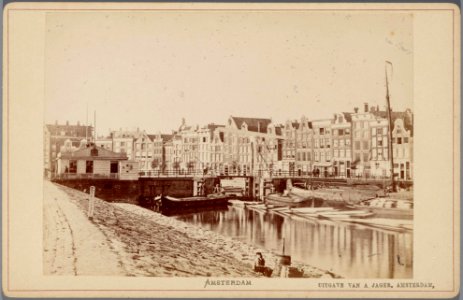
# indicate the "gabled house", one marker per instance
pixel 95 162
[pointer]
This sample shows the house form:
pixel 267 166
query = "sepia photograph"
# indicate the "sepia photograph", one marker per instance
pixel 183 148
pixel 264 150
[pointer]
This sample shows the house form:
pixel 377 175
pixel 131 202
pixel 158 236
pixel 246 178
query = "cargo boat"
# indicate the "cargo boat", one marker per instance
pixel 387 208
pixel 291 201
pixel 172 203
pixel 336 197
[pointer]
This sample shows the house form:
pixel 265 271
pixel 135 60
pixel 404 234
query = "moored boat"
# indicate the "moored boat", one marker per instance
pixel 387 207
pixel 345 214
pixel 290 201
pixel 173 203
pixel 337 197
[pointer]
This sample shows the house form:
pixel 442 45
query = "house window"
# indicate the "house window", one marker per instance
pixel 322 131
pixel 405 140
pixel 73 166
pixel 114 167
pixel 365 156
pixel 365 145
pixel 399 141
pixel 89 166
pixel 379 131
pixel 357 145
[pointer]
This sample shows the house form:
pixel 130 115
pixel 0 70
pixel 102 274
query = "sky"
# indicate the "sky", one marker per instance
pixel 150 69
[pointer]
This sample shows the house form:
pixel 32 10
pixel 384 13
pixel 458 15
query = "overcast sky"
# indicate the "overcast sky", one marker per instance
pixel 150 69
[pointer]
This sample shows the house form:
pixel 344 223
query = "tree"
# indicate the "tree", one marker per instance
pixel 155 163
pixel 234 166
pixel 176 166
pixel 191 166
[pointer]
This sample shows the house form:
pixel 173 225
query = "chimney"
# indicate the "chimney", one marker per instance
pixel 377 107
pixel 356 110
pixel 372 109
pixel 67 123
pixel 335 117
pixel 366 107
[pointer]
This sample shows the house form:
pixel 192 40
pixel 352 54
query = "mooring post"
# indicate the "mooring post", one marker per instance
pixel 91 202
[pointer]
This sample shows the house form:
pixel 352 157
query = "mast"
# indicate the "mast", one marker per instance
pixel 86 127
pixel 389 113
pixel 94 126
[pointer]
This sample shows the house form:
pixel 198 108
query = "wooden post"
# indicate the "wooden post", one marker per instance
pixel 91 202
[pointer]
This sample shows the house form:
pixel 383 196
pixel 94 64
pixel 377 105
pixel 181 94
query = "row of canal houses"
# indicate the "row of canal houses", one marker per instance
pixel 348 145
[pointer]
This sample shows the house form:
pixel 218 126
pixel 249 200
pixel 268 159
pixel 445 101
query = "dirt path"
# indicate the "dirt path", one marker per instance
pixel 127 240
pixel 72 244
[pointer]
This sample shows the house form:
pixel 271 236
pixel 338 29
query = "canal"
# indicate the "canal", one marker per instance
pixel 352 251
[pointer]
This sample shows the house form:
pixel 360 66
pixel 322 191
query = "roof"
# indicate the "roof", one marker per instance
pixel 166 137
pixel 254 124
pixel 93 153
pixel 69 130
pixel 347 116
pixel 408 121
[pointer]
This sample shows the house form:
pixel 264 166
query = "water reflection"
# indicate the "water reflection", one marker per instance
pixel 351 251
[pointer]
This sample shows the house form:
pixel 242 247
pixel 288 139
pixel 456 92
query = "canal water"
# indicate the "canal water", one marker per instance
pixel 352 251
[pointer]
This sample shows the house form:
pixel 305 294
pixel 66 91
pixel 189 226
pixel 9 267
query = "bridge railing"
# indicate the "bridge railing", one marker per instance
pixel 258 173
pixel 70 176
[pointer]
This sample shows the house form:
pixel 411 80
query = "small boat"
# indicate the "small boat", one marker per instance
pixel 233 191
pixel 387 207
pixel 241 203
pixel 345 214
pixel 287 200
pixel 172 203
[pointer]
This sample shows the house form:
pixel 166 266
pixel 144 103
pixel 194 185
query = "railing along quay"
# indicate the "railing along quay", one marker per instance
pixel 264 174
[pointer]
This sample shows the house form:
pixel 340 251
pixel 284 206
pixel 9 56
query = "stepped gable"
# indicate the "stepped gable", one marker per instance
pixel 408 122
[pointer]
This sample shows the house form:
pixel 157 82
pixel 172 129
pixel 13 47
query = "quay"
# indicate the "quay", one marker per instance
pixel 139 242
pixel 113 188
